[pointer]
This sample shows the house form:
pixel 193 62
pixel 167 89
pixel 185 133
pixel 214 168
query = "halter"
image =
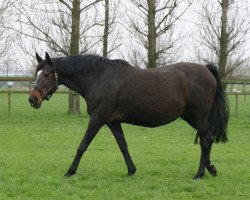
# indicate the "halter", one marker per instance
pixel 47 94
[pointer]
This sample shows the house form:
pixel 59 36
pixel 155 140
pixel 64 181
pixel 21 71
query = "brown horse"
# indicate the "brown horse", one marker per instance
pixel 116 92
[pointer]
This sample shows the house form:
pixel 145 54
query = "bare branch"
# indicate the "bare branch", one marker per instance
pixel 166 6
pixel 66 4
pixel 89 5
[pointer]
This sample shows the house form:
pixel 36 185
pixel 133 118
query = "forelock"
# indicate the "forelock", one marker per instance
pixel 40 66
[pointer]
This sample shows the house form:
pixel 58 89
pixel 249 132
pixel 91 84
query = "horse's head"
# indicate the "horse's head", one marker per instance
pixel 46 82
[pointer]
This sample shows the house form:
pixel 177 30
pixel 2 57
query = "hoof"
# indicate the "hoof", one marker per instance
pixel 198 176
pixel 69 173
pixel 212 170
pixel 131 172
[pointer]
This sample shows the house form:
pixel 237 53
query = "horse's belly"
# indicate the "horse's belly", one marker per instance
pixel 150 123
pixel 147 118
pixel 153 118
pixel 154 109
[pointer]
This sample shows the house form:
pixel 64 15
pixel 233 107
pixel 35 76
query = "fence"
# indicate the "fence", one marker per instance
pixel 238 92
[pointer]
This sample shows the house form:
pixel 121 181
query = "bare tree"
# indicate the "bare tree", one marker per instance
pixel 5 39
pixel 106 29
pixel 59 25
pixel 154 25
pixel 110 33
pixel 222 35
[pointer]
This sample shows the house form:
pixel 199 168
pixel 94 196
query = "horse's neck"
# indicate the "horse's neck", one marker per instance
pixel 79 83
pixel 71 83
pixel 84 83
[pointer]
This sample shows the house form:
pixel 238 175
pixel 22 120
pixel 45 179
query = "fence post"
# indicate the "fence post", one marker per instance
pixel 231 88
pixel 236 104
pixel 9 101
pixel 245 90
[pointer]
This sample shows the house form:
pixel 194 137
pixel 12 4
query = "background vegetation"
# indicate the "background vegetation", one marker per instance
pixel 37 146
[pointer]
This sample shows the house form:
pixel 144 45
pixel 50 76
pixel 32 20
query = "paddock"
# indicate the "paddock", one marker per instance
pixel 47 140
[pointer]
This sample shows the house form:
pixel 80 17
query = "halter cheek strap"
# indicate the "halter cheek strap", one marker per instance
pixel 47 94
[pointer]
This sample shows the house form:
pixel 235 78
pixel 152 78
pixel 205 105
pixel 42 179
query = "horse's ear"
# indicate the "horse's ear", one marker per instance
pixel 38 58
pixel 48 58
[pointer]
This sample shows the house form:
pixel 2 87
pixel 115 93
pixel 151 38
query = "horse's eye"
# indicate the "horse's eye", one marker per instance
pixel 46 74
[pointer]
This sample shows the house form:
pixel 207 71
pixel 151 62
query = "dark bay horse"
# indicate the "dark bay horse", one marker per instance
pixel 116 92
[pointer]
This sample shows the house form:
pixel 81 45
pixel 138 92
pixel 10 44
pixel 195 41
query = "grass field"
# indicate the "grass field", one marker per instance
pixel 37 147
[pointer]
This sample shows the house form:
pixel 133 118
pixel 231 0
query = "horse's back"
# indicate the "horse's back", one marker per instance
pixel 200 84
pixel 191 81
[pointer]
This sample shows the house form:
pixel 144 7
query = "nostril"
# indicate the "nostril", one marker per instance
pixel 33 100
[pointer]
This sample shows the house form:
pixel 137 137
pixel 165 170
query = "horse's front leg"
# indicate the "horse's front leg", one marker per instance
pixel 93 127
pixel 116 129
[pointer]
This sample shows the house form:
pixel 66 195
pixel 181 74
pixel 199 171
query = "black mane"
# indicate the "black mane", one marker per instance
pixel 79 64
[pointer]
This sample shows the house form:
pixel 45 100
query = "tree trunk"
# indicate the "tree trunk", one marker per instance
pixel 106 30
pixel 223 39
pixel 151 34
pixel 74 102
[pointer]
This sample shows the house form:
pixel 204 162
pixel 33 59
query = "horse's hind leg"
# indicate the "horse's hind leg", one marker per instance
pixel 206 144
pixel 116 129
pixel 206 140
pixel 211 168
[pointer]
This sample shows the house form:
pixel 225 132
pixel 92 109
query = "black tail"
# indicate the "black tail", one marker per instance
pixel 219 115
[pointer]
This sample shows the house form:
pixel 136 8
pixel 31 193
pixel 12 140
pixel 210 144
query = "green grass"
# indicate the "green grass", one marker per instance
pixel 37 147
